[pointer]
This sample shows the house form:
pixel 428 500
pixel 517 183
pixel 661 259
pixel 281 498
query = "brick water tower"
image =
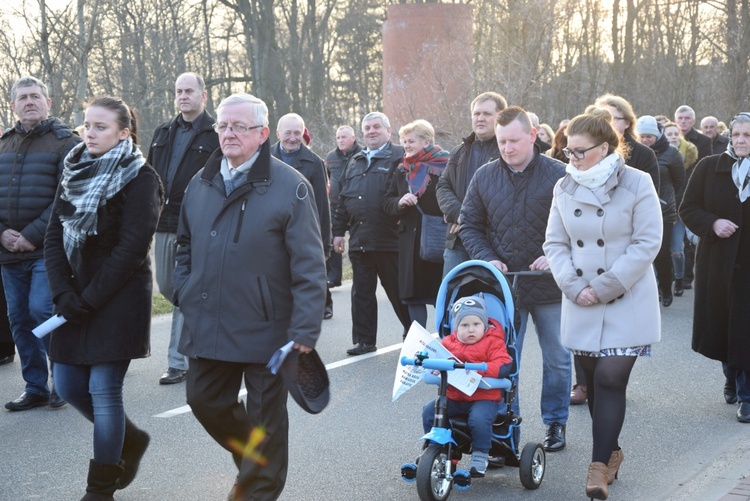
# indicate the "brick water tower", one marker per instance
pixel 427 67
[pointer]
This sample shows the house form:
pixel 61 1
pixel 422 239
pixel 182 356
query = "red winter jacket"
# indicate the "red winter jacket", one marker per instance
pixel 490 349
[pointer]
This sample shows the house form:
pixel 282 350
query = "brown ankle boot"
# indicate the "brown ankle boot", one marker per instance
pixel 615 460
pixel 596 483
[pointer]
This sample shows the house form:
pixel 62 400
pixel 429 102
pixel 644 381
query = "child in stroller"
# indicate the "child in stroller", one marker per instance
pixel 475 338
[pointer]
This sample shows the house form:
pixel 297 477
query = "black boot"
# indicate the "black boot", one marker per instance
pixel 102 481
pixel 678 289
pixel 666 295
pixel 133 447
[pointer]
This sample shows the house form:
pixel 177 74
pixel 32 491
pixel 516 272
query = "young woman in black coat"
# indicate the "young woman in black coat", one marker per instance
pixel 96 251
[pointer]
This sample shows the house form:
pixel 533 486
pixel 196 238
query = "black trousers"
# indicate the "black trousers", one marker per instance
pixel 367 267
pixel 257 435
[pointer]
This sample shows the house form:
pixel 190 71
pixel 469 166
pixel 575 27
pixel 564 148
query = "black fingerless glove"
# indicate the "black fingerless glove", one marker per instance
pixel 71 306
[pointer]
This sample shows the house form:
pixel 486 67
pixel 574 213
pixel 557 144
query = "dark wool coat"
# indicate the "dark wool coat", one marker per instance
pixel 701 141
pixel 417 279
pixel 643 158
pixel 504 217
pixel 311 166
pixel 721 329
pixel 113 277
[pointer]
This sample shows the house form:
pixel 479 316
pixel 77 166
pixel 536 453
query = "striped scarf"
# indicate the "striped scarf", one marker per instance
pixel 88 182
pixel 431 160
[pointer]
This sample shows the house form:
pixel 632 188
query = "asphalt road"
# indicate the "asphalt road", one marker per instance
pixel 681 441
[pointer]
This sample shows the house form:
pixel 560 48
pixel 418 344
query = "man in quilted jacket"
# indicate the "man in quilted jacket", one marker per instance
pixel 504 220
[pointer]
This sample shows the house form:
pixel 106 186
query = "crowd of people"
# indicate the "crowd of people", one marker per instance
pixel 625 212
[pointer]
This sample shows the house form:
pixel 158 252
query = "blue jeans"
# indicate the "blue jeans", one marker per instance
pixel 96 392
pixel 481 415
pixel 678 249
pixel 453 257
pixel 29 304
pixel 165 245
pixel 556 371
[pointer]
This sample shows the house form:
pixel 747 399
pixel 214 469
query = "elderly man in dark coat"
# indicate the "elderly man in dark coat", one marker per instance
pixel 250 277
pixel 716 207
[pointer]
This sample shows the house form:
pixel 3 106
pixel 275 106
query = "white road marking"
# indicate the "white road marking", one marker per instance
pixel 333 365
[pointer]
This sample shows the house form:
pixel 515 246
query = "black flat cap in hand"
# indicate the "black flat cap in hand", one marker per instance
pixel 306 379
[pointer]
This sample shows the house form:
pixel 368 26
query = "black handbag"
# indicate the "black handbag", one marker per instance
pixel 432 237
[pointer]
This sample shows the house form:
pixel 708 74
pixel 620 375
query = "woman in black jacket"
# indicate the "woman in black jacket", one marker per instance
pixel 671 186
pixel 96 250
pixel 410 194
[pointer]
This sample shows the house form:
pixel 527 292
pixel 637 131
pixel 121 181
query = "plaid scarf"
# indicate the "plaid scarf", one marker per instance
pixel 431 160
pixel 88 182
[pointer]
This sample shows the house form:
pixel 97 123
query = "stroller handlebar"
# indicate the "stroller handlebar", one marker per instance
pixel 442 364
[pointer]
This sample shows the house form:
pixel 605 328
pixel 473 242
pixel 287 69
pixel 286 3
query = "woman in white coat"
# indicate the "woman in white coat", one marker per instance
pixel 603 234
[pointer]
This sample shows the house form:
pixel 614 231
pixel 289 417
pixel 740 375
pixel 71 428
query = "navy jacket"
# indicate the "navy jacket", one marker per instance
pixel 504 217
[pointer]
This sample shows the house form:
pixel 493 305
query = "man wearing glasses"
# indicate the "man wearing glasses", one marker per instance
pixel 179 149
pixel 250 277
pixel 504 220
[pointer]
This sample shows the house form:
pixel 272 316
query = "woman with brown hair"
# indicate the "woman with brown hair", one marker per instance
pixel 623 120
pixel 603 233
pixel 97 255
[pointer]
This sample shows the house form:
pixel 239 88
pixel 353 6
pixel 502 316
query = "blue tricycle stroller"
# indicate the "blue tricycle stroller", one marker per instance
pixel 436 470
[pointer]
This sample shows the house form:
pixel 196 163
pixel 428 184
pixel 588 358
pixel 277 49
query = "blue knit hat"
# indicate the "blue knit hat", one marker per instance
pixel 471 305
pixel 647 125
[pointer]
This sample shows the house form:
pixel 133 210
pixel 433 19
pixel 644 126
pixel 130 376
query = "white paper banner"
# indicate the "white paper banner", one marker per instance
pixel 419 339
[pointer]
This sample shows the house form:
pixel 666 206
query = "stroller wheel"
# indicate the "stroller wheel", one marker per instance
pixel 532 465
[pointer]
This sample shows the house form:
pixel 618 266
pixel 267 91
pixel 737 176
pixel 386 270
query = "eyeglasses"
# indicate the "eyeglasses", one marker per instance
pixel 221 128
pixel 579 154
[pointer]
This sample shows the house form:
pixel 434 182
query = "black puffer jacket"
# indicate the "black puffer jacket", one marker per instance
pixel 671 177
pixel 504 217
pixel 453 183
pixel 30 168
pixel 359 209
pixel 204 142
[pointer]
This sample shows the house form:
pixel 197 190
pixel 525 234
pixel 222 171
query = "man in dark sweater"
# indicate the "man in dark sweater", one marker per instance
pixel 179 149
pixel 477 149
